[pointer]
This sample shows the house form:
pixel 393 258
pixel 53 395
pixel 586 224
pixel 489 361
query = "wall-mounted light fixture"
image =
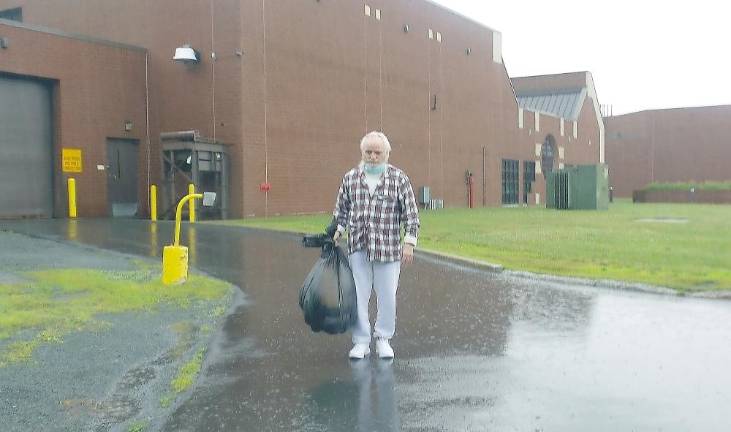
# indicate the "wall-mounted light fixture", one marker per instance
pixel 406 28
pixel 128 125
pixel 186 55
pixel 3 42
pixel 468 51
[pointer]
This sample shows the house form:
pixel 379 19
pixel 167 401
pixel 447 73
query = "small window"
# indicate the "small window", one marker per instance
pixel 15 14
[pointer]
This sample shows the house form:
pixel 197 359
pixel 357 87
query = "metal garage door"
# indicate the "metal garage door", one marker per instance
pixel 26 149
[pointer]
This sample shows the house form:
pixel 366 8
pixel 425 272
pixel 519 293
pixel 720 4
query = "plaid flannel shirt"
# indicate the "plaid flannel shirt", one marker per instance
pixel 374 222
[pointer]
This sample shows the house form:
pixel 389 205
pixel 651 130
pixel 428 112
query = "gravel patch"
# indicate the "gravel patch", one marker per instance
pixel 105 379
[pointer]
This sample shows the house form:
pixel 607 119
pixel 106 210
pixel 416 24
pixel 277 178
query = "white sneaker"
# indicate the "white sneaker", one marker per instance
pixel 384 348
pixel 359 351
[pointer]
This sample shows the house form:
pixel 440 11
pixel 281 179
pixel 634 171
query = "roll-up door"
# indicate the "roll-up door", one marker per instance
pixel 26 148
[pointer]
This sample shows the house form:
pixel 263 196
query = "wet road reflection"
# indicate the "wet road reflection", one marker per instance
pixel 475 351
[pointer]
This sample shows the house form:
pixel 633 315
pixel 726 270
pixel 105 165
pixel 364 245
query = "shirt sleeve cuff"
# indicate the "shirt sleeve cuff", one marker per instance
pixel 409 239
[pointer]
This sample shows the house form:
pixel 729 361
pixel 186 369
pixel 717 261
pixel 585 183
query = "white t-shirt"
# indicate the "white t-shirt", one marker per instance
pixel 372 180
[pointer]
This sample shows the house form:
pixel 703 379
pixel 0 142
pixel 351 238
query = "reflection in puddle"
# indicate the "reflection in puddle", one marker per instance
pixel 365 403
pixel 154 246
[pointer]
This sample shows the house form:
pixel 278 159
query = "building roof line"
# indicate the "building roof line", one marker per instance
pixel 674 109
pixel 79 37
pixel 551 74
pixel 549 92
pixel 454 12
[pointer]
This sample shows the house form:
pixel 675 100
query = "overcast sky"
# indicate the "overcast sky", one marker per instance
pixel 643 54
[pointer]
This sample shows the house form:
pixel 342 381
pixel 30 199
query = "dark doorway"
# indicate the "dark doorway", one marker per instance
pixel 529 176
pixel 548 154
pixel 122 177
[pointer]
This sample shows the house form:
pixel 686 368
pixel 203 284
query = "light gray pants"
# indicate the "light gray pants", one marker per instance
pixel 383 277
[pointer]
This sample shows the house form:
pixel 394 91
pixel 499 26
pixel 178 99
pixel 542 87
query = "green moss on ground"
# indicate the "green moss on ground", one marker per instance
pixel 53 303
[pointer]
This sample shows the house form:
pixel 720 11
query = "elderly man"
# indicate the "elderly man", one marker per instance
pixel 374 199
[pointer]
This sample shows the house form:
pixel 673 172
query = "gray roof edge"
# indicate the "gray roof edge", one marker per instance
pixel 549 92
pixel 693 107
pixel 550 75
pixel 79 37
pixel 574 112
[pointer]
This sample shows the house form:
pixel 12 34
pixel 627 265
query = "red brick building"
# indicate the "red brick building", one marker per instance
pixel 62 91
pixel 670 145
pixel 289 87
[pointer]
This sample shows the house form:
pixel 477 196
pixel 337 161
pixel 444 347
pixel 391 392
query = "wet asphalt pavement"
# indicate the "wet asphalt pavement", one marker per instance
pixel 475 351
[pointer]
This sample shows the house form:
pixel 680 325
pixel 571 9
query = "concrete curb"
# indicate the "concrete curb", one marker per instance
pixel 480 265
pixel 567 280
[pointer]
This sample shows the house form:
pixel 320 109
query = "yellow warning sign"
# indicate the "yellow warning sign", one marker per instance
pixel 71 160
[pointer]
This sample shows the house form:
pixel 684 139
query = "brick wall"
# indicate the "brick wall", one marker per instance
pixel 96 88
pixel 675 145
pixel 311 78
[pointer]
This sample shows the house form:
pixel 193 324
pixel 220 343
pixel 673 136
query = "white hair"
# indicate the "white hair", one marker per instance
pixel 379 135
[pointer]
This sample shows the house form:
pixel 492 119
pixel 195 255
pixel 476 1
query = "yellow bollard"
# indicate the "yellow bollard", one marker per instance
pixel 72 197
pixel 191 207
pixel 153 203
pixel 175 257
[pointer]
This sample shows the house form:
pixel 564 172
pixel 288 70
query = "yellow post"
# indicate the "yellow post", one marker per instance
pixel 153 203
pixel 191 207
pixel 175 257
pixel 72 197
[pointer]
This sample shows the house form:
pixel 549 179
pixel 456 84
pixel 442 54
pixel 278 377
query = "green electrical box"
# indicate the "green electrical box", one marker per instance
pixel 578 187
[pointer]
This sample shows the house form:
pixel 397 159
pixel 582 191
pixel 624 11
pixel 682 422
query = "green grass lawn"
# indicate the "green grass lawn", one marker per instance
pixel 630 242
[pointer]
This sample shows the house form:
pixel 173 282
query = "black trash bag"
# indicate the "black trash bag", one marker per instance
pixel 327 296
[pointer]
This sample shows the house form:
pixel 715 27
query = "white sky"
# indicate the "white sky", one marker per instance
pixel 643 54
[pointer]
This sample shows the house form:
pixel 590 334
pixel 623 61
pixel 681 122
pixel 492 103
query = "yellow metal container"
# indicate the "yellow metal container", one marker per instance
pixel 174 265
